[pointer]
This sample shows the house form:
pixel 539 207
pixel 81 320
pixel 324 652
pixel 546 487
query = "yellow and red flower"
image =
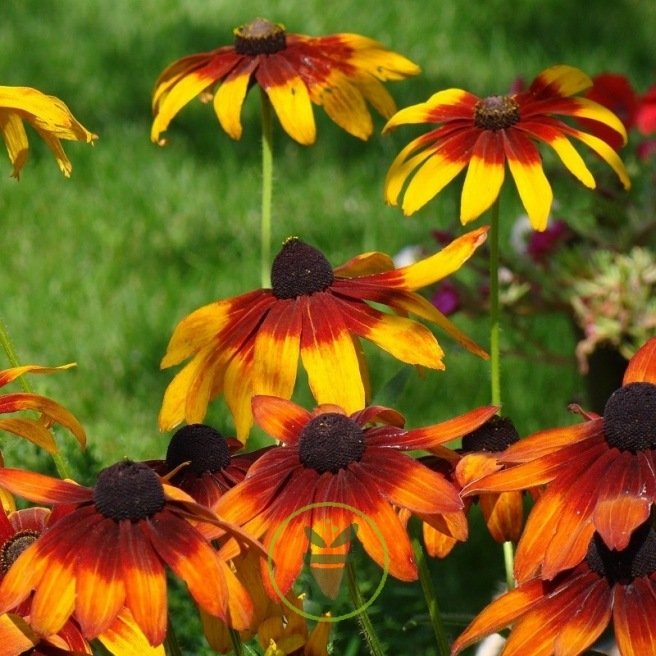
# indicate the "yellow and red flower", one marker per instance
pixel 344 463
pixel 203 463
pixel 600 476
pixel 109 549
pixel 250 344
pixel 36 430
pixel 568 614
pixel 483 134
pixel 341 72
pixel 48 115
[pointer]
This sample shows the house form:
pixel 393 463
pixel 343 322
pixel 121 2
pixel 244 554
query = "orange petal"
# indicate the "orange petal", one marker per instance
pixel 30 430
pixel 503 514
pixel 365 265
pixel 633 611
pixel 328 354
pixel 145 582
pixel 642 366
pixel 280 418
pixel 16 635
pixel 54 599
pixel 42 489
pixel 98 569
pixel 8 375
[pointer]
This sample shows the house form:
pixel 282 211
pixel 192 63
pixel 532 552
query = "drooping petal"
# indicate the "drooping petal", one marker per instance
pixel 525 166
pixel 500 613
pixel 328 354
pixel 192 559
pixel 625 498
pixel 484 177
pixel 277 349
pixel 406 483
pixel 364 265
pixel 238 388
pixel 642 366
pixel 145 582
pixel 380 531
pixel 16 635
pixel 97 569
pixel 403 338
pixel 503 514
pixel 15 138
pixel 633 613
pixel 9 375
pixel 229 97
pixel 30 430
pixel 289 97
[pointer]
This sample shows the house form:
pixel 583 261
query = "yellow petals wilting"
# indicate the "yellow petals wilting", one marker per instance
pixel 48 115
pixel 482 134
pixel 341 72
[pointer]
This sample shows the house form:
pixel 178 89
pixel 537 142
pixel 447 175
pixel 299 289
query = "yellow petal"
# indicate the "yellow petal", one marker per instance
pixel 564 80
pixel 345 105
pixel 401 168
pixel 13 132
pixel 229 98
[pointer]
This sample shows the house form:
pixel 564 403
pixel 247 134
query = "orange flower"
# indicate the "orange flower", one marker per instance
pixel 341 461
pixel 36 430
pixel 483 134
pixel 601 476
pixel 567 615
pixel 48 115
pixel 341 72
pixel 250 344
pixel 109 550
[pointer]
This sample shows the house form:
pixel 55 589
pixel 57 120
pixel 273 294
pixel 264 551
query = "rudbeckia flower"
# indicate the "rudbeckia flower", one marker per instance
pixel 483 134
pixel 250 344
pixel 600 476
pixel 352 461
pixel 18 530
pixel 110 549
pixel 48 115
pixel 341 72
pixel 36 430
pixel 567 615
pixel 203 463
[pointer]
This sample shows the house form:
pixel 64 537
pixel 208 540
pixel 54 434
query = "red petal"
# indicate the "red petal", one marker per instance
pixel 633 618
pixel 280 418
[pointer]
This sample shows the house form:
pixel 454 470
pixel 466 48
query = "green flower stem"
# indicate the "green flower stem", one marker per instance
pixel 509 563
pixel 495 360
pixel 267 190
pixel 61 464
pixel 431 599
pixel 171 645
pixel 235 639
pixel 373 642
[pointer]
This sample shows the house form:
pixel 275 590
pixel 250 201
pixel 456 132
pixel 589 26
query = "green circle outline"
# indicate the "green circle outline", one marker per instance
pixel 376 592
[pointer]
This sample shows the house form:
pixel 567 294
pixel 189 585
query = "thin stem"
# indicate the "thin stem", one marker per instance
pixel 235 639
pixel 431 600
pixel 373 642
pixel 171 645
pixel 267 190
pixel 509 563
pixel 495 360
pixel 7 345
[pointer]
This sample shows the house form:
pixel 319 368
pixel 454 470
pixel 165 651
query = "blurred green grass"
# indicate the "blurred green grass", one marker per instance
pixel 98 269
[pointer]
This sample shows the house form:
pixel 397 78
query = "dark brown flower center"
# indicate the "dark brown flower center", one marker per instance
pixel 128 490
pixel 300 270
pixel 630 417
pixel 494 435
pixel 496 113
pixel 331 442
pixel 14 547
pixel 259 37
pixel 638 559
pixel 203 447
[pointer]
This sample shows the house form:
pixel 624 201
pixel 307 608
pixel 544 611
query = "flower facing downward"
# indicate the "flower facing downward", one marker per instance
pixel 341 72
pixel 341 462
pixel 48 115
pixel 567 615
pixel 250 344
pixel 483 134
pixel 203 462
pixel 109 551
pixel 601 476
pixel 36 430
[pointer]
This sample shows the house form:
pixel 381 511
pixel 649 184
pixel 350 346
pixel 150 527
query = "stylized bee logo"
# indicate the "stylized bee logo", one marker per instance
pixel 327 555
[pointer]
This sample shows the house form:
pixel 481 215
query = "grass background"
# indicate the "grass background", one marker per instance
pixel 98 269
